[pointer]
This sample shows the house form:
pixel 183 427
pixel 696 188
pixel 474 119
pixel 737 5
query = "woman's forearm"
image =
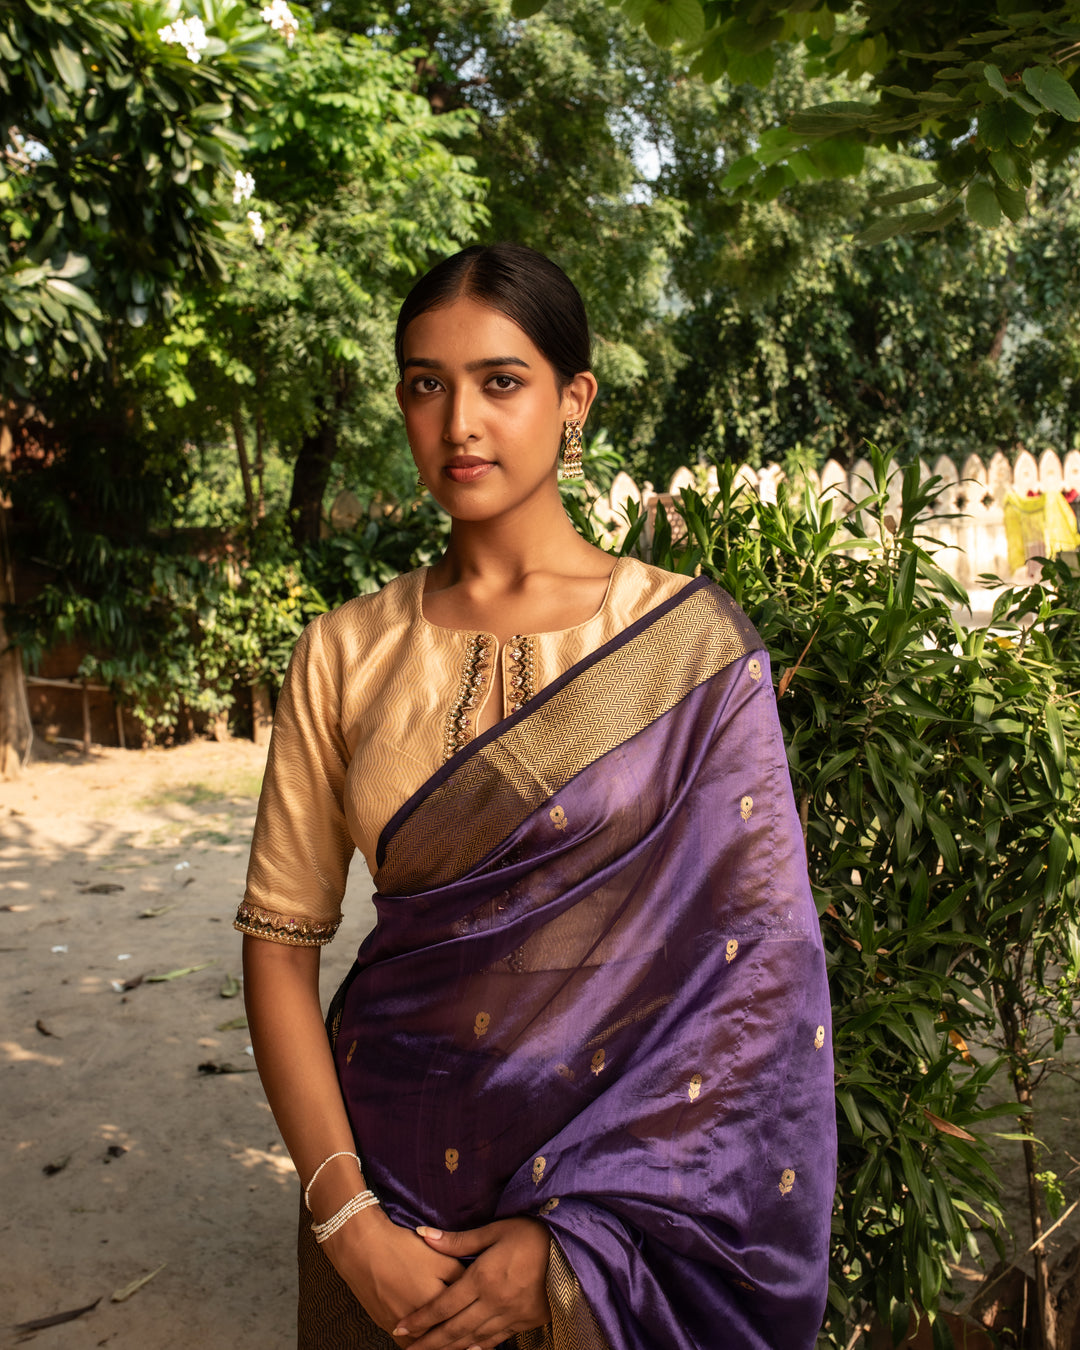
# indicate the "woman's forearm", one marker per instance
pixel 281 993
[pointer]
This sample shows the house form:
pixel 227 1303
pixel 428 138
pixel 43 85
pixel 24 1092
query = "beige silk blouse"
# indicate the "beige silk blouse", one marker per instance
pixel 375 699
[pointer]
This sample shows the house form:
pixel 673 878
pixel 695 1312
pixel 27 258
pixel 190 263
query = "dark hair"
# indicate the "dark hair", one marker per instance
pixel 520 283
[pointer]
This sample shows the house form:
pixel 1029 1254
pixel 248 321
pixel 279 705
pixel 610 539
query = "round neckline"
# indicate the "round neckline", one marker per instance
pixel 421 575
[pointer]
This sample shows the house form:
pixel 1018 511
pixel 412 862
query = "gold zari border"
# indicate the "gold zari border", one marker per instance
pixel 274 927
pixel 608 703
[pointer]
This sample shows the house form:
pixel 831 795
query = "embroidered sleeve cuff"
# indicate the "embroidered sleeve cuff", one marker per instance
pixel 287 928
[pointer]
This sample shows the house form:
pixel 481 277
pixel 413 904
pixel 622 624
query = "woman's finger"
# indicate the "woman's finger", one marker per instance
pixel 470 1242
pixel 454 1299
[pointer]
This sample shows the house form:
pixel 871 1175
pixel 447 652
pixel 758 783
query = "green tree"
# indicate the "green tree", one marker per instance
pixel 980 91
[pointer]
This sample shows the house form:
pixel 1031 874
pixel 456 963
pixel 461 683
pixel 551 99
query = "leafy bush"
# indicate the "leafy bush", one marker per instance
pixel 173 634
pixel 940 807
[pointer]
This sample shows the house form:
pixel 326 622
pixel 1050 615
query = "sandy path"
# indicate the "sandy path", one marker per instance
pixel 198 1180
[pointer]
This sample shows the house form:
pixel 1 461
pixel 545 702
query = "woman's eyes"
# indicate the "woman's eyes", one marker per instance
pixel 430 384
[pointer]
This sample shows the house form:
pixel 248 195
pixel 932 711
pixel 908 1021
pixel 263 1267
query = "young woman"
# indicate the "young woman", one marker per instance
pixel 578 1088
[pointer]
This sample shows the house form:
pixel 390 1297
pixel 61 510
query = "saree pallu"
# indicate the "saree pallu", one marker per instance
pixel 596 994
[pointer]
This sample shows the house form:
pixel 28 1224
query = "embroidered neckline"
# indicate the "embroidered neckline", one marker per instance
pixel 460 725
pixel 521 677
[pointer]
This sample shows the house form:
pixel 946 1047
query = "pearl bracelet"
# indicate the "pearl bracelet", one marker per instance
pixel 352 1207
pixel 343 1154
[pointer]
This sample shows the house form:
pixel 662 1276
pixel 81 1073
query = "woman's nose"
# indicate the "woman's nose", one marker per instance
pixel 462 416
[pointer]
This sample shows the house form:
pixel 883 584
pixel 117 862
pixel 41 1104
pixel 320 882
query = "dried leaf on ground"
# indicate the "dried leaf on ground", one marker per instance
pixel 176 974
pixel 209 1067
pixel 234 1024
pixel 154 913
pixel 122 987
pixel 45 1030
pixel 57 1165
pixel 40 1323
pixel 102 888
pixel 230 987
pixel 122 1295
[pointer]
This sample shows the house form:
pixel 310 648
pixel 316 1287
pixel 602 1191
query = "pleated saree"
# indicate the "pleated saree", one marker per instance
pixel 596 995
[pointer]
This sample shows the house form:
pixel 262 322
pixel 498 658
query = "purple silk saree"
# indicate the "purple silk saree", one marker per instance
pixel 596 994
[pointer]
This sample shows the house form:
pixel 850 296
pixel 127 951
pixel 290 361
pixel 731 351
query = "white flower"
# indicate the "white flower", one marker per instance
pixel 281 19
pixel 258 230
pixel 243 187
pixel 189 33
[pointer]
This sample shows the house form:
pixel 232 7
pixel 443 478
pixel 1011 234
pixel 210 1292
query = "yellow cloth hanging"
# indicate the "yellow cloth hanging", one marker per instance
pixel 1038 527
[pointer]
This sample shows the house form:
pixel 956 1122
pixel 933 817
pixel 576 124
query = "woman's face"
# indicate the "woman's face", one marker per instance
pixel 483 410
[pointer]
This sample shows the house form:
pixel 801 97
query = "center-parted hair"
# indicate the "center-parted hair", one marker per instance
pixel 519 282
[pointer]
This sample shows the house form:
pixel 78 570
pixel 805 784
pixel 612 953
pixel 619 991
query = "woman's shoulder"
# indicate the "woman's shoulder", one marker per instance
pixel 353 627
pixel 649 587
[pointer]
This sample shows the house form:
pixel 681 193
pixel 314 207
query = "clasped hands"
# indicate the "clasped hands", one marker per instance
pixel 474 1307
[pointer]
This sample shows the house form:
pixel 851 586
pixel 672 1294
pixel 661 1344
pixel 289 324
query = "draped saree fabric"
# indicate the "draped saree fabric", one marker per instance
pixel 596 994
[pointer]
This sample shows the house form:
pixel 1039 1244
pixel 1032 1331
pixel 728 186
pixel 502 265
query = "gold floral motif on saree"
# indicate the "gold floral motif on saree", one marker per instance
pixel 450 1157
pixel 731 950
pixel 787 1180
pixel 694 1089
pixel 480 1026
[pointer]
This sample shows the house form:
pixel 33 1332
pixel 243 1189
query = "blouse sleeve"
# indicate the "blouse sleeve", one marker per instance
pixel 301 848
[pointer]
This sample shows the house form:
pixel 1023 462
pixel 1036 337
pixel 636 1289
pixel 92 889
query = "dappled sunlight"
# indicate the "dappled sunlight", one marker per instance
pixel 278 1164
pixel 17 1054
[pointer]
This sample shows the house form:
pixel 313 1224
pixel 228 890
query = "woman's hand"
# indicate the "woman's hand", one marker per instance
pixel 502 1291
pixel 390 1269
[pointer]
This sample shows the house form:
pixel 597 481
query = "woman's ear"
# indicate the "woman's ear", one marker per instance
pixel 400 392
pixel 578 397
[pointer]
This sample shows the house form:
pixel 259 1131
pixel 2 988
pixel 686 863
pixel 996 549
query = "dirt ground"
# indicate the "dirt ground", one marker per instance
pixel 119 1157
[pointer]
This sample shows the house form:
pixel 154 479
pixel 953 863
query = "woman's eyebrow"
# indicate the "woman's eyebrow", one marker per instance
pixel 488 363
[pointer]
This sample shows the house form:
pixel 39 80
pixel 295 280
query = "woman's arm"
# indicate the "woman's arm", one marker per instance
pixel 390 1269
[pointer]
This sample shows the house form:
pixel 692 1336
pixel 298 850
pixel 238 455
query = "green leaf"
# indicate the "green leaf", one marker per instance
pixel 882 230
pixel 828 119
pixel 982 204
pixel 1004 165
pixel 667 21
pixel 1057 856
pixel 740 172
pixel 1050 88
pixel 1057 736
pixel 69 67
pixel 905 195
pixel 839 156
pixel 1019 124
pixel 993 127
pixel 1013 201
pixel 996 80
pixel 525 9
pixel 754 68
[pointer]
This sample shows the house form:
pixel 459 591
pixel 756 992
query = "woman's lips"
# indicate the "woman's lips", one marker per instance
pixel 468 470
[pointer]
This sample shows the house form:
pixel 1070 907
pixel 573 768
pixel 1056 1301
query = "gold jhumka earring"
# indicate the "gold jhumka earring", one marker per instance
pixel 570 457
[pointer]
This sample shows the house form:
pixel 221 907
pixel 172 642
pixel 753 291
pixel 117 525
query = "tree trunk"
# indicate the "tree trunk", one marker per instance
pixel 245 467
pixel 1014 1025
pixel 310 478
pixel 15 729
